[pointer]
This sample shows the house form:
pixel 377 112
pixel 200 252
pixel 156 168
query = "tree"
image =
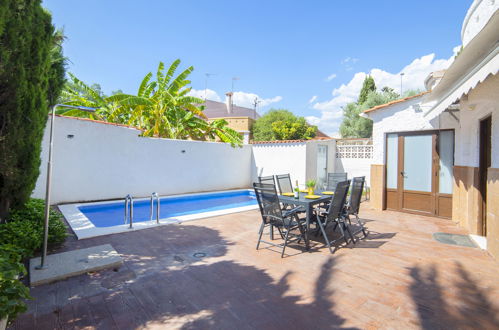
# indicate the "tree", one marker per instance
pixel 31 73
pixel 281 124
pixel 367 86
pixel 355 126
pixel 161 108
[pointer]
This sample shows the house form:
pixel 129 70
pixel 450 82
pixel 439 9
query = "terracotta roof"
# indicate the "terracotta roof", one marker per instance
pixel 291 141
pixel 395 102
pixel 214 109
pixel 98 121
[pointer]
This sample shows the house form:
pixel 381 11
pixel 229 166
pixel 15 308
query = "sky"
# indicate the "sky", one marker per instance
pixel 309 57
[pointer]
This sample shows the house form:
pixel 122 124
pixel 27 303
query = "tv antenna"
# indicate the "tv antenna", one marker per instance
pixel 208 75
pixel 255 104
pixel 233 80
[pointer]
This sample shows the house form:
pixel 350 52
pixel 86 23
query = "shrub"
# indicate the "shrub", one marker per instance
pixel 12 291
pixel 25 227
pixel 31 77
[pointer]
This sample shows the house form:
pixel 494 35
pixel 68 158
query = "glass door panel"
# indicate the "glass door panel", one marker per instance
pixel 417 162
pixel 446 154
pixel 391 161
pixel 321 165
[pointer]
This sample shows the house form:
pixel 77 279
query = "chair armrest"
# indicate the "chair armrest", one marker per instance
pixel 293 211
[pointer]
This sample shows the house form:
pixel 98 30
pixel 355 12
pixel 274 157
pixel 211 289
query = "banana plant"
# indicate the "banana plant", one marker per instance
pixel 161 108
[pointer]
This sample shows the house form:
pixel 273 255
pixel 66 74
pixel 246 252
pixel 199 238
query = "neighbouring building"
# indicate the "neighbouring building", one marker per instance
pixel 239 118
pixel 437 153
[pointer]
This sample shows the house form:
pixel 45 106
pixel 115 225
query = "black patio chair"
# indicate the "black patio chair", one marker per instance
pixel 333 179
pixel 353 206
pixel 284 183
pixel 335 215
pixel 272 215
pixel 269 179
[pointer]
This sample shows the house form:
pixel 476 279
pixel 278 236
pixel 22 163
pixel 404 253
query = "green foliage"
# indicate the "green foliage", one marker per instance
pixel 161 108
pixel 281 124
pixel 12 291
pixel 25 228
pixel 355 126
pixel 367 87
pixel 311 183
pixel 30 77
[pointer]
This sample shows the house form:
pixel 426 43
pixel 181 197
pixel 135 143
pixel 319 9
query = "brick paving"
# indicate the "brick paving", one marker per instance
pixel 397 278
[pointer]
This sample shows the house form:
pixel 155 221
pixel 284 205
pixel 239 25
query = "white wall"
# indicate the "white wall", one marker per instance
pixel 402 117
pixel 355 167
pixel 477 16
pixel 281 158
pixel 311 173
pixel 104 161
pixel 484 100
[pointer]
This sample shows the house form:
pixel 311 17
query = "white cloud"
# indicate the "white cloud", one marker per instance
pixel 312 99
pixel 348 63
pixel 205 93
pixel 414 74
pixel 331 77
pixel 244 99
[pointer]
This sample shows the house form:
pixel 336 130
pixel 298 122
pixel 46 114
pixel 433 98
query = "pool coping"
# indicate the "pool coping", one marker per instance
pixel 84 228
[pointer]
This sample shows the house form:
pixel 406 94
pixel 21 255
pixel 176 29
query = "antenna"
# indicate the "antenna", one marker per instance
pixel 255 103
pixel 208 75
pixel 234 79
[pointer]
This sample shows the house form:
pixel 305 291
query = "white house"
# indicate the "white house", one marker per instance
pixel 437 153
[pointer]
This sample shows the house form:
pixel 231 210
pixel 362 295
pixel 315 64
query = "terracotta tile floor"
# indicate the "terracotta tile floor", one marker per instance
pixel 397 278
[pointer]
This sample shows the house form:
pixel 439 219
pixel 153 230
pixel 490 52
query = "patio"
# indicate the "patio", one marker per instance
pixel 398 277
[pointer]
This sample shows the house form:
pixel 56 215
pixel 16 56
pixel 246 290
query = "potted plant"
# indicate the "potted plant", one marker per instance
pixel 310 186
pixel 12 291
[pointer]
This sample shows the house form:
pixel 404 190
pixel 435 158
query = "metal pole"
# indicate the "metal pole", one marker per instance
pixel 49 177
pixel 47 193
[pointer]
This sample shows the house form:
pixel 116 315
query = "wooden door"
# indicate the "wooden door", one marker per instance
pixel 419 172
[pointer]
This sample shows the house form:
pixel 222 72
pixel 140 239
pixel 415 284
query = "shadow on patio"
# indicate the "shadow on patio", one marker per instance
pixel 464 306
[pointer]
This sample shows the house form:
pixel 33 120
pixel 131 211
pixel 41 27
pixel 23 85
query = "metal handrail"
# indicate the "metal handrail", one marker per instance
pixel 129 206
pixel 154 195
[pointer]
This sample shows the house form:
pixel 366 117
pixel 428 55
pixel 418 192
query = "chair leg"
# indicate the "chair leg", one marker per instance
pixel 285 243
pixel 343 233
pixel 361 225
pixel 326 238
pixel 302 232
pixel 349 232
pixel 271 232
pixel 260 232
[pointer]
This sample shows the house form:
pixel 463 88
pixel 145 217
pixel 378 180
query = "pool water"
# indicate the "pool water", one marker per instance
pixel 112 214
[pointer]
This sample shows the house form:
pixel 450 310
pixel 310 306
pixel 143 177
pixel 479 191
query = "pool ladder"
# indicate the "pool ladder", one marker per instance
pixel 129 210
pixel 154 196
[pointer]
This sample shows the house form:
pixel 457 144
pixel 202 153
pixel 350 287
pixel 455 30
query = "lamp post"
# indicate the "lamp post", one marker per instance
pixel 49 174
pixel 401 76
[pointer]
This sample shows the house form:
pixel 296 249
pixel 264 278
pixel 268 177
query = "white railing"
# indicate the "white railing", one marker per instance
pixel 354 151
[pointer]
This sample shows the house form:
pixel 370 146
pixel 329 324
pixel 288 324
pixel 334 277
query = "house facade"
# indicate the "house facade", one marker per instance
pixel 437 153
pixel 240 119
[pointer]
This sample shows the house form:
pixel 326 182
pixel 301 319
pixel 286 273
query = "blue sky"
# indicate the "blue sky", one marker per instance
pixel 282 51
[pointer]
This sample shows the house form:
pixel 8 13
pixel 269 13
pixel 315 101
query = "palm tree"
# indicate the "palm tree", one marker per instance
pixel 161 108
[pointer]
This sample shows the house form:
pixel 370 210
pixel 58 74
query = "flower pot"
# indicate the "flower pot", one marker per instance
pixel 310 190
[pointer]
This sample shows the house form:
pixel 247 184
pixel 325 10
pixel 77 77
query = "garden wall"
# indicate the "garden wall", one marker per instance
pixel 95 161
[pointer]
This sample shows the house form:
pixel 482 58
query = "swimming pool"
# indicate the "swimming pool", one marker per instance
pixel 103 218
